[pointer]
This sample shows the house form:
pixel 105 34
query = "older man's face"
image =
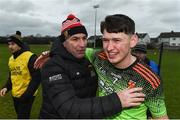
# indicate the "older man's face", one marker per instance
pixel 76 45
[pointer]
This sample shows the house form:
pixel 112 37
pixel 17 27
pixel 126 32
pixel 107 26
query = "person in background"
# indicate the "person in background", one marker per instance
pixel 69 83
pixel 23 78
pixel 19 36
pixel 140 51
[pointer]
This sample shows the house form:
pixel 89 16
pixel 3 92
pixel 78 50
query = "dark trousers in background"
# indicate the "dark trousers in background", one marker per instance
pixel 23 108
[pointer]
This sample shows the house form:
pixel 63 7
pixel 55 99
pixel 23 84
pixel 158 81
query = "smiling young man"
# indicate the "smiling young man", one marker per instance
pixel 118 69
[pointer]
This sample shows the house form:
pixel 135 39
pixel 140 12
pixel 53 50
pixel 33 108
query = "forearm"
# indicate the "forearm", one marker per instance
pixel 69 105
pixel 8 84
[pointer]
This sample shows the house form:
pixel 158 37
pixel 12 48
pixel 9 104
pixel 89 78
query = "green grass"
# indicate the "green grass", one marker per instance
pixel 170 74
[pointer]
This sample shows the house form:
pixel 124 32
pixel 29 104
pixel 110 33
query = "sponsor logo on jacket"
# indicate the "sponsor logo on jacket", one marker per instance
pixel 55 77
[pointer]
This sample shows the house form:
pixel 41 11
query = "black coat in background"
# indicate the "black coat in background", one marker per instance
pixel 69 88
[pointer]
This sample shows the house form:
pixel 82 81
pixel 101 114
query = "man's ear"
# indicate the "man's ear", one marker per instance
pixel 134 40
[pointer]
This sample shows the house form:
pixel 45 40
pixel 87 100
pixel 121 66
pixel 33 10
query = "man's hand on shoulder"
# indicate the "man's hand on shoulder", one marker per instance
pixel 131 97
pixel 41 60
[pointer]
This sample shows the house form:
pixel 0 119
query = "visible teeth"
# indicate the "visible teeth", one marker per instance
pixel 112 53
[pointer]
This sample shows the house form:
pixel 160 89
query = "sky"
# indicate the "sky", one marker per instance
pixel 44 17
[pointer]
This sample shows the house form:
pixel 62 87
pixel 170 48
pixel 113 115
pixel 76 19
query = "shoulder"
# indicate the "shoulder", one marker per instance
pixel 50 68
pixel 32 56
pixel 10 58
pixel 102 55
pixel 91 54
pixel 54 64
pixel 28 53
pixel 148 75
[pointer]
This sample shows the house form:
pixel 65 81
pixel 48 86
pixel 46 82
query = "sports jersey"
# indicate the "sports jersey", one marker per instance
pixel 20 75
pixel 138 74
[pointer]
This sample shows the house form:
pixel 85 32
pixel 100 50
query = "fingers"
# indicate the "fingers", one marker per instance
pixel 135 104
pixel 46 53
pixel 137 89
pixel 138 95
pixel 131 97
pixel 37 62
pixel 41 59
pixel 137 100
pixel 40 62
pixel 3 92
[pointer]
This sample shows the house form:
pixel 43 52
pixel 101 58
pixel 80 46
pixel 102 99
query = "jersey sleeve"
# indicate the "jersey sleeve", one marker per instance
pixel 90 54
pixel 155 102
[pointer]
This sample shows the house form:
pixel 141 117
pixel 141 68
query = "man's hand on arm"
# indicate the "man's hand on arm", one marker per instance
pixel 41 59
pixel 131 97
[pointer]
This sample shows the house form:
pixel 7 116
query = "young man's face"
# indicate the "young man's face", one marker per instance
pixel 76 45
pixel 118 46
pixel 13 47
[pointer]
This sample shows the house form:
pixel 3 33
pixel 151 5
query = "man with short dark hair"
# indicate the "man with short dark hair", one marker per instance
pixel 118 69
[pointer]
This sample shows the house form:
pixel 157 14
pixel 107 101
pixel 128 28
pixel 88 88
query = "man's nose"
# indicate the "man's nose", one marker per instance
pixel 82 43
pixel 110 45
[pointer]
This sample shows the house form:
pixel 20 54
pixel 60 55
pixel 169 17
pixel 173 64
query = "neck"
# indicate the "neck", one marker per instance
pixel 125 63
pixel 17 53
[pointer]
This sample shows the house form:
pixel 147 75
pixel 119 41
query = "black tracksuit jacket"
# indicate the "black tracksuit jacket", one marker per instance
pixel 69 88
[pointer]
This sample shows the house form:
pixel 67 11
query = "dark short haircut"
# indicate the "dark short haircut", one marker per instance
pixel 118 23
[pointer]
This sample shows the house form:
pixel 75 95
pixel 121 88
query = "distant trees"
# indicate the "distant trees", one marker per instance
pixel 3 40
pixel 32 39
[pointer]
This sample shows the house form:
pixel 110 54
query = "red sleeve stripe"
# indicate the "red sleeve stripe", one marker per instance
pixel 150 72
pixel 147 75
pixel 146 78
pixel 102 55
